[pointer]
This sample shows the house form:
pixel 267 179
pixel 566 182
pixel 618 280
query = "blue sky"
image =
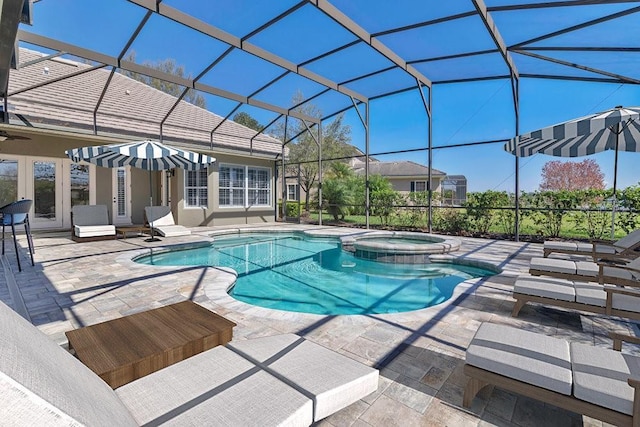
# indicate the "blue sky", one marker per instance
pixel 463 113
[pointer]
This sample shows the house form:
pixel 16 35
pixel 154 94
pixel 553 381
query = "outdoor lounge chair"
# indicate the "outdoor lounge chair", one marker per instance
pixel 91 222
pixel 279 380
pixel 626 247
pixel 624 273
pixel 160 219
pixel 597 382
pixel 585 296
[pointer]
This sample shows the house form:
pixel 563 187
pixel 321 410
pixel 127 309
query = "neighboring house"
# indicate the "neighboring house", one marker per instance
pixel 405 176
pixel 46 119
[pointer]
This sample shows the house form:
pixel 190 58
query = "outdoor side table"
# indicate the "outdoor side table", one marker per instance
pixel 125 349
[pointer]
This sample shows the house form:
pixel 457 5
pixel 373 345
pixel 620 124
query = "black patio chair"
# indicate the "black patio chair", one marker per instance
pixel 13 214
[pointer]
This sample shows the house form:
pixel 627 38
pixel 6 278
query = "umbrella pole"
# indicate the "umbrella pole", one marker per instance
pixel 152 238
pixel 615 187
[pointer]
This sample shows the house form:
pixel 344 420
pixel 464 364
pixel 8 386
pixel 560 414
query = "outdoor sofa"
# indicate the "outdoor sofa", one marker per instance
pixel 278 380
pixel 161 220
pixel 91 222
pixel 598 382
pixel 627 247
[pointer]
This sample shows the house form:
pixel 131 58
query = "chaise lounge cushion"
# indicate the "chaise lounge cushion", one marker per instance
pixel 41 375
pixel 161 219
pixel 564 266
pixel 547 287
pixel 217 387
pixel 522 355
pixel 330 379
pixel 94 230
pixel 600 376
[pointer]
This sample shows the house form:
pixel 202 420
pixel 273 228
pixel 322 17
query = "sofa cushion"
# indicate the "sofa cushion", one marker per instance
pixel 334 381
pixel 90 215
pixel 526 356
pixel 600 376
pixel 29 358
pixel 548 287
pixel 216 387
pixel 94 230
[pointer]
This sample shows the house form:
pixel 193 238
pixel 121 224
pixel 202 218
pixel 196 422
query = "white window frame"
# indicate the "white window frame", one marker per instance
pixel 295 192
pixel 415 186
pixel 198 187
pixel 245 189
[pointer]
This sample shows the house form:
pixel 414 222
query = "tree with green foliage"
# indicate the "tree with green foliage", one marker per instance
pixel 553 205
pixel 383 198
pixel 479 208
pixel 247 120
pixel 336 138
pixel 629 203
pixel 168 66
pixel 337 190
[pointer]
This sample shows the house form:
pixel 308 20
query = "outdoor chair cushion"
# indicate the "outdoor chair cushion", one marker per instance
pixel 564 266
pixel 522 355
pixel 217 387
pixel 600 376
pixel 161 219
pixel 330 379
pixel 547 287
pixel 94 230
pixel 41 379
pixel 91 221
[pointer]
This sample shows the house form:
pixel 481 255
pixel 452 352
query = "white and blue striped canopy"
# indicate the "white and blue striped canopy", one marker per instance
pixel 580 137
pixel 148 155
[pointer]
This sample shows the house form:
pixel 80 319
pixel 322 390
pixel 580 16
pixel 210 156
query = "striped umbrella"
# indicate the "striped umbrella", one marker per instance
pixel 148 155
pixel 617 129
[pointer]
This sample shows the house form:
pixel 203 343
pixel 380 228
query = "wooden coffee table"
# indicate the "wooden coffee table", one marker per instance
pixel 138 229
pixel 124 349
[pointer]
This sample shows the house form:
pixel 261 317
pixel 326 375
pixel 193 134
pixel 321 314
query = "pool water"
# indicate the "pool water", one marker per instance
pixel 314 275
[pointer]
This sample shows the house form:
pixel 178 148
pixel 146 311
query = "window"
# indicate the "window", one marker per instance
pixel 292 191
pixel 196 189
pixel 418 186
pixel 79 184
pixel 244 186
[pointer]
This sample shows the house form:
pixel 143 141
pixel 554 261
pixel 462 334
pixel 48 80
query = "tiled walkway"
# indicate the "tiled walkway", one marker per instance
pixel 420 354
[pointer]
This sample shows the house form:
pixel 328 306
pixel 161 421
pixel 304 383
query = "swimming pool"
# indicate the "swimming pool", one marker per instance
pixel 314 275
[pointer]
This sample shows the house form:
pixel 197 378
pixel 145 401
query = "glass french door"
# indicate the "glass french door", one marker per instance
pixel 44 187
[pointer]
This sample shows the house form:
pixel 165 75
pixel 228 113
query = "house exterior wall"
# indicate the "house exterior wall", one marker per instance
pixel 403 185
pixel 43 145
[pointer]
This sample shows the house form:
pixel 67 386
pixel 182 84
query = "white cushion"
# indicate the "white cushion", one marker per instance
pixel 172 230
pixel 605 249
pixel 522 355
pixel 334 380
pixel 590 293
pixel 94 230
pixel 629 240
pixel 626 302
pixel 560 246
pixel 553 265
pixel 216 387
pixel 600 376
pixel 587 268
pixel 559 289
pixel 29 358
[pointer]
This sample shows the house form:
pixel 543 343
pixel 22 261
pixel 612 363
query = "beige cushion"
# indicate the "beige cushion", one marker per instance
pixel 522 355
pixel 560 246
pixel 172 230
pixel 94 230
pixel 587 268
pixel 52 380
pixel 553 265
pixel 559 289
pixel 159 215
pixel 216 388
pixel 600 376
pixel 332 380
pixel 590 293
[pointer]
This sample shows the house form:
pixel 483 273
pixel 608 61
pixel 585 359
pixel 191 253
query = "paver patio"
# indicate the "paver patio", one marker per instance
pixel 420 354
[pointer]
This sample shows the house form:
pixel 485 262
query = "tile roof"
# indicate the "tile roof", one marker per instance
pixel 128 108
pixel 398 169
